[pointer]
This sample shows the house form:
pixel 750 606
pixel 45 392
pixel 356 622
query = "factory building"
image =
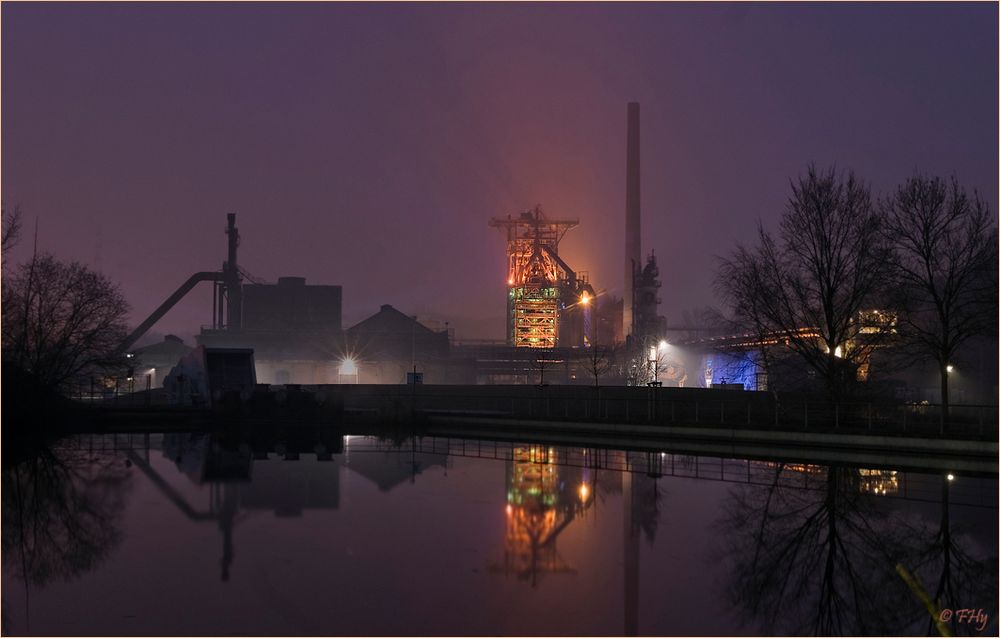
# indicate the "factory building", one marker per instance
pixel 388 344
pixel 292 306
pixel 152 363
pixel 294 329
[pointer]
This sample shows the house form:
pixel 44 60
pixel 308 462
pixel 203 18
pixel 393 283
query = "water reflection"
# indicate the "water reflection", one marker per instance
pixel 61 511
pixel 952 574
pixel 252 474
pixel 822 561
pixel 799 548
pixel 61 515
pixel 542 500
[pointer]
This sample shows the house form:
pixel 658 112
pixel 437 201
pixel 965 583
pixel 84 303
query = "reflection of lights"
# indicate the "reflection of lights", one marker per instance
pixel 510 281
pixel 951 477
pixel 950 368
pixel 879 482
pixel 510 510
pixel 584 491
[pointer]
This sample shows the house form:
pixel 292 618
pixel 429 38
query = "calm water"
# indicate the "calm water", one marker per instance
pixel 188 534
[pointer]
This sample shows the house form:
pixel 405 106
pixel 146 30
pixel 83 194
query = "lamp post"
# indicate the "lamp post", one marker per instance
pixel 349 367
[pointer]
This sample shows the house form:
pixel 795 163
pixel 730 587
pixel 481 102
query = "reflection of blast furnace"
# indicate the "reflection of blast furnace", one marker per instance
pixel 542 500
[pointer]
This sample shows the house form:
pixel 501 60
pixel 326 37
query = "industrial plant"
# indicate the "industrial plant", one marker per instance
pixel 561 327
pixel 555 317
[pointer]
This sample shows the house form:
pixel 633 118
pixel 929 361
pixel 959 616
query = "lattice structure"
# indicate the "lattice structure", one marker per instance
pixel 535 315
pixel 539 282
pixel 535 514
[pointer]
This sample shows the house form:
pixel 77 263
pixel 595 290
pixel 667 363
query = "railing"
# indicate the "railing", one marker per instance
pixel 656 406
pixel 135 393
pixel 912 486
pixel 625 405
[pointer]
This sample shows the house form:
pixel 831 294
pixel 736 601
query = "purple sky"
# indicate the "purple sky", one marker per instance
pixel 368 145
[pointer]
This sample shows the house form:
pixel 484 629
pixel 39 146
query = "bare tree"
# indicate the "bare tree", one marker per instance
pixel 815 560
pixel 944 269
pixel 807 287
pixel 61 321
pixel 599 361
pixel 541 360
pixel 62 513
pixel 11 232
pixel 958 568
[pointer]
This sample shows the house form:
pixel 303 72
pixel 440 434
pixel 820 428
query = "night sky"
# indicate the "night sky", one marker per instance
pixel 368 145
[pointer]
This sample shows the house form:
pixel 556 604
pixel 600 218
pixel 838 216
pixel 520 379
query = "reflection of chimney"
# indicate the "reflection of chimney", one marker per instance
pixel 631 546
pixel 633 234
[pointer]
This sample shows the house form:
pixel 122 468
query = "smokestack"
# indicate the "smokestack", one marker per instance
pixel 234 288
pixel 633 232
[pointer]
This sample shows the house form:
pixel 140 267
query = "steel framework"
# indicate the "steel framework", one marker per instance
pixel 539 282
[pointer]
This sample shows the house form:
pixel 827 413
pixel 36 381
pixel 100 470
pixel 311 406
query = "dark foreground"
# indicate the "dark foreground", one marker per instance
pixel 310 532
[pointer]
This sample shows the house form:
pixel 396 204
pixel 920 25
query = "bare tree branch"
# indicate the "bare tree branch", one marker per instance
pixel 943 269
pixel 62 321
pixel 807 287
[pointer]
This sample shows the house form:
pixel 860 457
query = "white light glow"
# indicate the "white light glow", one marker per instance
pixel 348 367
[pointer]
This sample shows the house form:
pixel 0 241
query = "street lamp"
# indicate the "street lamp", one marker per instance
pixel 349 367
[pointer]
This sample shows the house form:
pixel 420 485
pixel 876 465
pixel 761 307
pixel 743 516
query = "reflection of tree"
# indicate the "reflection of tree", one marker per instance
pixel 816 562
pixel 60 513
pixel 953 577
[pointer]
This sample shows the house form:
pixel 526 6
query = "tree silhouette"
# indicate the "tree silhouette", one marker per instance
pixel 62 321
pixel 816 561
pixel 11 231
pixel 61 513
pixel 599 361
pixel 944 269
pixel 953 576
pixel 808 286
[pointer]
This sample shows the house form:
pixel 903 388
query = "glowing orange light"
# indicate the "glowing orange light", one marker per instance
pixel 510 281
pixel 585 298
pixel 510 510
pixel 584 491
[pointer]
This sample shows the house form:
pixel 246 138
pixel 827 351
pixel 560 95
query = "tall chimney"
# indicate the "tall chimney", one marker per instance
pixel 633 233
pixel 232 281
